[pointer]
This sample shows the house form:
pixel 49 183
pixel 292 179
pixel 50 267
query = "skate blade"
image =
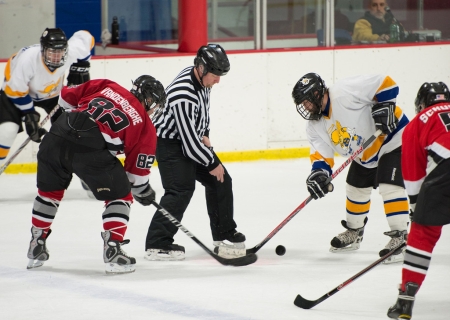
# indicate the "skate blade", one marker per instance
pixel 34 264
pixel 228 244
pixel 352 247
pixel 229 253
pixel 156 255
pixel 114 268
pixel 394 259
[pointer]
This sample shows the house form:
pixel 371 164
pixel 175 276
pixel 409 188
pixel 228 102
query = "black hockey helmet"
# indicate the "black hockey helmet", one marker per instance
pixel 151 91
pixel 54 47
pixel 310 88
pixel 431 93
pixel 214 59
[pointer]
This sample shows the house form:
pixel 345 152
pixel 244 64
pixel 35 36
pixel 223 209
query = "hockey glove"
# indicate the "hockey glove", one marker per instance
pixel 34 131
pixel 79 73
pixel 146 197
pixel 383 115
pixel 317 184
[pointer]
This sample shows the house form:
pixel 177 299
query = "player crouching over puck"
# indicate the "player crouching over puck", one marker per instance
pixel 102 120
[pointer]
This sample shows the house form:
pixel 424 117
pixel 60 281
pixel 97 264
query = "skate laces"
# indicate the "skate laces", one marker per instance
pixel 397 238
pixel 348 236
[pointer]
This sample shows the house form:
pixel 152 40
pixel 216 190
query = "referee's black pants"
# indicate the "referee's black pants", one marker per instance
pixel 178 176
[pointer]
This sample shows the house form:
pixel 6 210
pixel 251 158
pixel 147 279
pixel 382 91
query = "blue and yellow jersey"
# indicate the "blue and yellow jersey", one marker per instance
pixel 347 122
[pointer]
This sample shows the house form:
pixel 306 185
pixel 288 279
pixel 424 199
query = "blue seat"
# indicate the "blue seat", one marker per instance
pixel 341 37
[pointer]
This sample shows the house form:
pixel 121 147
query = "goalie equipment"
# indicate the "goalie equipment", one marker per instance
pixel 79 73
pixel 172 252
pixel 349 240
pixel 38 252
pixel 116 260
pixel 402 309
pixel 397 237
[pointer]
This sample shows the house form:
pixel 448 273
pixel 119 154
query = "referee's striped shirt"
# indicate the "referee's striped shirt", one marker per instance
pixel 186 117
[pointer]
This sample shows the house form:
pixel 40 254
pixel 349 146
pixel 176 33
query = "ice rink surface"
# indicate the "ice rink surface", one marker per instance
pixel 73 284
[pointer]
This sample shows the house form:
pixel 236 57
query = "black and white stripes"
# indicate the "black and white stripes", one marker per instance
pixel 416 260
pixel 186 116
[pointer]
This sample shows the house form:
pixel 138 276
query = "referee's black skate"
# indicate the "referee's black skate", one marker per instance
pixel 402 309
pixel 116 260
pixel 171 252
pixel 349 240
pixel 230 244
pixel 38 252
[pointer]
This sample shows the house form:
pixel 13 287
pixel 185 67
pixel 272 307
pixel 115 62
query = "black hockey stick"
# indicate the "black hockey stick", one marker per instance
pixel 308 304
pixel 24 144
pixel 237 262
pixel 304 203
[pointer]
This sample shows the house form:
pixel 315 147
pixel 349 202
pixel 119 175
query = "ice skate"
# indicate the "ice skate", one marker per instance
pixel 349 240
pixel 397 238
pixel 116 260
pixel 38 252
pixel 88 190
pixel 402 309
pixel 230 244
pixel 172 252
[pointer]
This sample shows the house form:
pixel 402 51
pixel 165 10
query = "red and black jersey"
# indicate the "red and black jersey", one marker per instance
pixel 425 143
pixel 123 122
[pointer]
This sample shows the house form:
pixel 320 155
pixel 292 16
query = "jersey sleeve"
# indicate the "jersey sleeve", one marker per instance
pixel 321 154
pixel 19 71
pixel 140 150
pixel 80 45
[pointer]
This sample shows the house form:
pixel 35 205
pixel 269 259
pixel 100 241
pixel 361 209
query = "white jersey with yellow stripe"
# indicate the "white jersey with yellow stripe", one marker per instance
pixel 28 79
pixel 347 122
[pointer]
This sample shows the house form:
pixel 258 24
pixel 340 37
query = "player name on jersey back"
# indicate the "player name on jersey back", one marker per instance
pixel 109 93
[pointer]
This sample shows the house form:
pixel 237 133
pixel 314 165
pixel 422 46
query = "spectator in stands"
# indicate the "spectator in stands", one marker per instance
pixel 374 26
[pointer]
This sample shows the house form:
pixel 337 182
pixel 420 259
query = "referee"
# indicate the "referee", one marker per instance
pixel 185 155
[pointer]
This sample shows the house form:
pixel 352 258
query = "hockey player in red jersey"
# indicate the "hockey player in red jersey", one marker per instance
pixel 426 171
pixel 102 120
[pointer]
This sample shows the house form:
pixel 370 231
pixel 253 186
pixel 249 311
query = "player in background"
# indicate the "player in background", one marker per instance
pixel 185 155
pixel 34 77
pixel 426 171
pixel 341 118
pixel 102 120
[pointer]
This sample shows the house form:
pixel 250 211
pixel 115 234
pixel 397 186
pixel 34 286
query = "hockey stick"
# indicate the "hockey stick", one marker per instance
pixel 308 304
pixel 304 203
pixel 237 262
pixel 24 144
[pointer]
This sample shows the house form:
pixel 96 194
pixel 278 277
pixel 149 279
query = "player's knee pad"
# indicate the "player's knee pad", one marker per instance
pixel 358 194
pixel 8 132
pixel 390 192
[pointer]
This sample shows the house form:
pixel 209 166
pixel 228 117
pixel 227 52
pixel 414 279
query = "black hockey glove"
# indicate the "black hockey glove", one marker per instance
pixel 79 73
pixel 317 184
pixel 34 131
pixel 145 197
pixel 384 117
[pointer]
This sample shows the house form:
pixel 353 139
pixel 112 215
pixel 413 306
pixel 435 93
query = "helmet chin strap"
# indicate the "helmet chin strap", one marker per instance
pixel 200 75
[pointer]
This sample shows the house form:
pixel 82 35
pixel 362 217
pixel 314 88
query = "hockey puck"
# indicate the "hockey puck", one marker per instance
pixel 280 250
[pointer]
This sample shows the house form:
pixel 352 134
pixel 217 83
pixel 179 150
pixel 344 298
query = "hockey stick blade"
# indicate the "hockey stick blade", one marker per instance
pixel 236 262
pixel 306 201
pixel 308 304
